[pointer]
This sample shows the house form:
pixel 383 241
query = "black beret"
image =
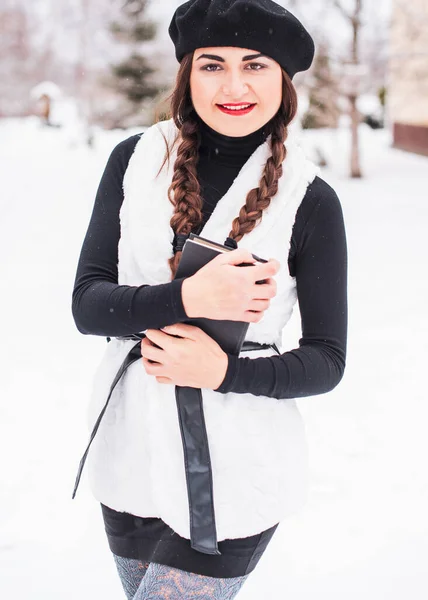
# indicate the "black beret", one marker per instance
pixel 260 25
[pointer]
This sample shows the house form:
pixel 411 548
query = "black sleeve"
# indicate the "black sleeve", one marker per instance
pixel 100 306
pixel 320 268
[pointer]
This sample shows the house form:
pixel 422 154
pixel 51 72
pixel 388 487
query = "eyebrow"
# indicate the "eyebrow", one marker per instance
pixel 221 59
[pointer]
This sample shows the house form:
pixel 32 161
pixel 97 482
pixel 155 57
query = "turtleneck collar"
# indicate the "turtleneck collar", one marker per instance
pixel 224 149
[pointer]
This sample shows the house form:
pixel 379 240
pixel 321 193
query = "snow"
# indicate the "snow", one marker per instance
pixel 364 531
pixel 47 88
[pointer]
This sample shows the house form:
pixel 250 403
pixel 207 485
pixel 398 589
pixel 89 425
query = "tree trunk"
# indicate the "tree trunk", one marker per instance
pixel 355 115
pixel 355 149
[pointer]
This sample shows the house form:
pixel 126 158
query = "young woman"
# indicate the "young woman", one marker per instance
pixel 197 454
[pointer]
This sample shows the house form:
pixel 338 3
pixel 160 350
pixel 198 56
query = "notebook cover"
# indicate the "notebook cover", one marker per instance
pixel 229 335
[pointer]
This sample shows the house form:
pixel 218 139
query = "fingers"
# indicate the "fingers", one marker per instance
pixel 150 352
pixel 151 366
pixel 258 271
pixel 163 339
pixel 234 257
pixel 240 255
pixel 182 330
pixel 253 317
pixel 259 305
pixel 265 270
pixel 264 291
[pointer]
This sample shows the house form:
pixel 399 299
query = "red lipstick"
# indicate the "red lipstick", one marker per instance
pixel 236 111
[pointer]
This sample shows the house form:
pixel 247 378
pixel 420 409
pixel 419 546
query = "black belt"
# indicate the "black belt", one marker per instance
pixel 203 535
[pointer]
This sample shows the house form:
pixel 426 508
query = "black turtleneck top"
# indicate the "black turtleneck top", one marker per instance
pixel 317 258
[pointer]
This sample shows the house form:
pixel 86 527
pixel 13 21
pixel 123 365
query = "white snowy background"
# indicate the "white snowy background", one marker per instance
pixel 364 531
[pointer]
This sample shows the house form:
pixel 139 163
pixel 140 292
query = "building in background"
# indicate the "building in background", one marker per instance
pixel 408 75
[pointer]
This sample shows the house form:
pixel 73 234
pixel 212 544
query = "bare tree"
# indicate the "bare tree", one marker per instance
pixel 15 51
pixel 354 18
pixel 361 64
pixel 323 109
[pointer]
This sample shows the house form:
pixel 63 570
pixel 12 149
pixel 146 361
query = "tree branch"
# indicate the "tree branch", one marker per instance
pixel 337 4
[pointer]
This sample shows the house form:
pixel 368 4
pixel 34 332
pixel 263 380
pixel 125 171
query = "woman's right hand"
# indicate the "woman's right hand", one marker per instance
pixel 222 290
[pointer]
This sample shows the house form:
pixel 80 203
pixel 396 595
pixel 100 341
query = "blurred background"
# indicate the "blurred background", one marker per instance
pixel 108 65
pixel 78 77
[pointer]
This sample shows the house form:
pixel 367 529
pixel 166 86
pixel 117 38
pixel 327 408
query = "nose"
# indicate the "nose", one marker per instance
pixel 235 85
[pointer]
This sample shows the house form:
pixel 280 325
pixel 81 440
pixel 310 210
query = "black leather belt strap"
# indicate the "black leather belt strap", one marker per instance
pixel 133 355
pixel 203 535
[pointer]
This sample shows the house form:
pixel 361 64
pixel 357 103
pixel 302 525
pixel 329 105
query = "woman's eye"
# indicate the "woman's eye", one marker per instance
pixel 257 67
pixel 206 67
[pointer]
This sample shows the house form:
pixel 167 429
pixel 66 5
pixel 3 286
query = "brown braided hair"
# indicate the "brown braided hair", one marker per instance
pixel 184 191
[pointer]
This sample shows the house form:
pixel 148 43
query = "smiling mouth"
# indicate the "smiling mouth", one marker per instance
pixel 237 109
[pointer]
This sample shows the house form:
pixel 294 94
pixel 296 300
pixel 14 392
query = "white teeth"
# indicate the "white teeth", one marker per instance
pixel 236 107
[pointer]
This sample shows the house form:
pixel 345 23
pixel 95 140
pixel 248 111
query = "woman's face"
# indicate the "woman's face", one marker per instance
pixel 225 76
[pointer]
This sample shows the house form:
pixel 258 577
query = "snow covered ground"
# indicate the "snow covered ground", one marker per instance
pixel 364 531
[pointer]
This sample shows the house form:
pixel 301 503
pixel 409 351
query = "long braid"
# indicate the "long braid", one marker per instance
pixel 258 199
pixel 184 191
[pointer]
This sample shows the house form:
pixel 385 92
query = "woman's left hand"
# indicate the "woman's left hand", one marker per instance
pixel 194 359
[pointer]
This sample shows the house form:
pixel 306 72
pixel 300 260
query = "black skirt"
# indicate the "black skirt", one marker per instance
pixel 150 539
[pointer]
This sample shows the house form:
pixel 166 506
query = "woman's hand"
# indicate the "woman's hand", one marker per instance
pixel 193 359
pixel 222 290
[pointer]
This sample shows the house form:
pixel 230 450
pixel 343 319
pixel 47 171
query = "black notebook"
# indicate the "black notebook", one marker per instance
pixel 197 252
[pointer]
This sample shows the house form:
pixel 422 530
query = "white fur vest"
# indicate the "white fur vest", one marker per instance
pixel 257 444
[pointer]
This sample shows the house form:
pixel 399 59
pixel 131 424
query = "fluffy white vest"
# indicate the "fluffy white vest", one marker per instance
pixel 257 444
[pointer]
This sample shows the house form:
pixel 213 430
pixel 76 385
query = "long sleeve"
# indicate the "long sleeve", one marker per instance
pixel 320 264
pixel 101 306
pixel 318 260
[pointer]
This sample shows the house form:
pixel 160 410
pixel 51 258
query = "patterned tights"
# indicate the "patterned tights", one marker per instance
pixel 152 581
